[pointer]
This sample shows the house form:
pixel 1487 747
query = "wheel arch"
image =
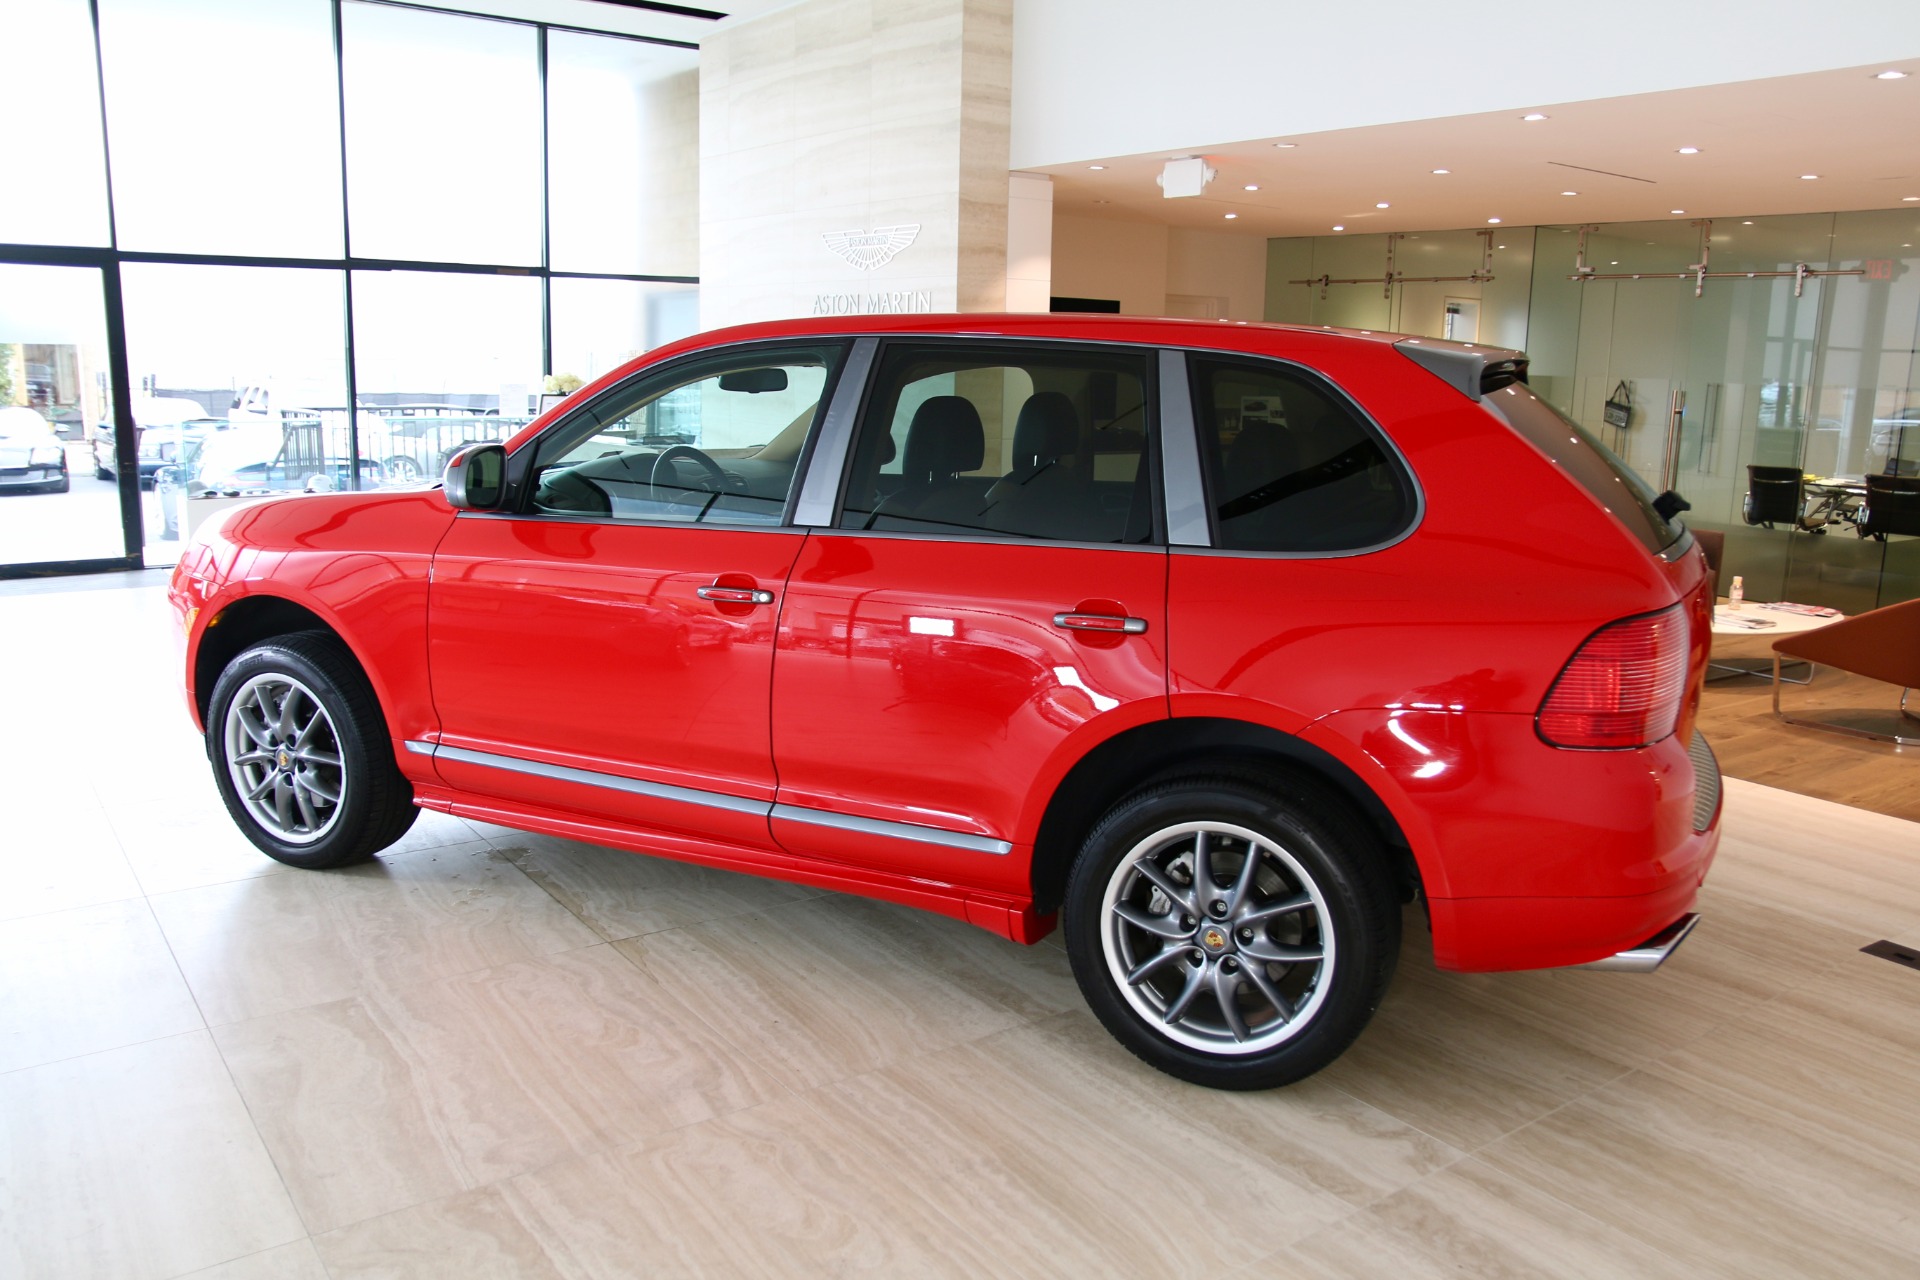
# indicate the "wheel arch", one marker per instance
pixel 241 625
pixel 1159 748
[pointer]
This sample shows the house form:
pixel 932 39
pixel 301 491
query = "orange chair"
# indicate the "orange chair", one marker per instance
pixel 1883 645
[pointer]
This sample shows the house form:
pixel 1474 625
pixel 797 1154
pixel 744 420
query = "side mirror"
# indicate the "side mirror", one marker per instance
pixel 476 477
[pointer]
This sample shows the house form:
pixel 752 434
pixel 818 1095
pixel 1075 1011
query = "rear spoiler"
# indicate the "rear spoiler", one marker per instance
pixel 1467 367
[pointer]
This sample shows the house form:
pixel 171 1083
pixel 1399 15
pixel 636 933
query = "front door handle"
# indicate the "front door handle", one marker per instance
pixel 1108 622
pixel 734 595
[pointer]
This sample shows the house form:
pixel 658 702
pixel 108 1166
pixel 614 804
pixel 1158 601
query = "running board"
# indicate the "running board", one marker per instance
pixel 1652 953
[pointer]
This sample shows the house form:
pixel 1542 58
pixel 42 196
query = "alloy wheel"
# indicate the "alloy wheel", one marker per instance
pixel 1218 937
pixel 283 756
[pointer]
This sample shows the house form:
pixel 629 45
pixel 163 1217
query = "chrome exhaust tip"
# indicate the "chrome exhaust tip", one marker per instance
pixel 1652 953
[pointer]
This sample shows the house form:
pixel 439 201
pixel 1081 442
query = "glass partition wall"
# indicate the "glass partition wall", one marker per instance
pixel 1770 400
pixel 1811 373
pixel 317 244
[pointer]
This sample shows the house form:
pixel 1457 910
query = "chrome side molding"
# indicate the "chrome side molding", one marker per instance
pixel 1652 953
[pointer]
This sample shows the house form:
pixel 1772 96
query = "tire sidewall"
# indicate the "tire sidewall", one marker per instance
pixel 356 752
pixel 1363 919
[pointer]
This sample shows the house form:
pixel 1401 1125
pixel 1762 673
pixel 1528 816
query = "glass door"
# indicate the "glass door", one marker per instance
pixel 62 490
pixel 1750 400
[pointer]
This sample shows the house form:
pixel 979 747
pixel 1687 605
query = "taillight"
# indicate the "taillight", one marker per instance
pixel 1624 687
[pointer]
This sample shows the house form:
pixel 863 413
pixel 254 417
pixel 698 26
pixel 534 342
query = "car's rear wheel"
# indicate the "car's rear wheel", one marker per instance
pixel 1229 934
pixel 302 756
pixel 400 469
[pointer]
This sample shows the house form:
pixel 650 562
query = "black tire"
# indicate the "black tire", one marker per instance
pixel 101 473
pixel 312 682
pixel 1310 847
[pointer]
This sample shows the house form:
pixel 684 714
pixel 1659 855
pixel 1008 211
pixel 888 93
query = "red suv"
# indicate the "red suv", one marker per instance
pixel 1219 641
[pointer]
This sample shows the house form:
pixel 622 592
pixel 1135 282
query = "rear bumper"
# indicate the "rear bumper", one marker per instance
pixel 1480 935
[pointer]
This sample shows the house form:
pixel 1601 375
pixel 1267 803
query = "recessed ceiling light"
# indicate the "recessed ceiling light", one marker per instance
pixel 1230 215
pixel 1443 171
pixel 1747 223
pixel 1569 193
pixel 1252 186
pixel 1614 263
pixel 1383 205
pixel 1493 219
pixel 1689 151
pixel 1096 166
pixel 1890 75
pixel 1676 211
pixel 1910 199
pixel 1809 177
pixel 1339 228
pixel 1534 115
pixel 1286 146
pixel 1499 246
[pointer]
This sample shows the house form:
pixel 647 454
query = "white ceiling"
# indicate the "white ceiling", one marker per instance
pixel 1756 138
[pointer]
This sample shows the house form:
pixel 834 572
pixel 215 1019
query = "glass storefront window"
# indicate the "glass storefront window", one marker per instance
pixel 443 136
pixel 56 186
pixel 54 400
pixel 442 359
pixel 623 133
pixel 599 324
pixel 225 122
pixel 241 388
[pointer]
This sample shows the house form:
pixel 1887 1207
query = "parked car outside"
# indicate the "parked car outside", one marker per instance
pixel 1895 446
pixel 31 453
pixel 1193 638
pixel 412 442
pixel 160 423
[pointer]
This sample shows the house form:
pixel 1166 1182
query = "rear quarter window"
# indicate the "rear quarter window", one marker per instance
pixel 1292 466
pixel 1590 464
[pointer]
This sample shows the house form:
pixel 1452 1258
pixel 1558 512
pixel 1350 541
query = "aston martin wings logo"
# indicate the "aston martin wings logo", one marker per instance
pixel 870 249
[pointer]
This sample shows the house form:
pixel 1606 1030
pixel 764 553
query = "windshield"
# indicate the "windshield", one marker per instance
pixel 1596 468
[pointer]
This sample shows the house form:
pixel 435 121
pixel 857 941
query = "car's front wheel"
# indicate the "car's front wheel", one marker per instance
pixel 1229 933
pixel 301 754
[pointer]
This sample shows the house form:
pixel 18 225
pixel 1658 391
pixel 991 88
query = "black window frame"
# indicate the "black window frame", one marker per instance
pixel 1152 472
pixel 517 501
pixel 1212 461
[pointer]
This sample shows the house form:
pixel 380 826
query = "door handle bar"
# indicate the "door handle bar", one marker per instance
pixel 1100 622
pixel 734 595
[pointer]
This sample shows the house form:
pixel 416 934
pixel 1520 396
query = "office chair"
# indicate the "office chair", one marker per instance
pixel 1892 506
pixel 1774 495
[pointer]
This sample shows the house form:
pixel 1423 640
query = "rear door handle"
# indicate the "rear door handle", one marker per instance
pixel 734 595
pixel 1100 622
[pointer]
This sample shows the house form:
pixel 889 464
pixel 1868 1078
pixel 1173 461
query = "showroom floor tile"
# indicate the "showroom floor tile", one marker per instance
pixel 494 1054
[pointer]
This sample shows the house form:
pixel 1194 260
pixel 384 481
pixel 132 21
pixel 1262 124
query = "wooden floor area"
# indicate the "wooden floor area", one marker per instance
pixel 1752 743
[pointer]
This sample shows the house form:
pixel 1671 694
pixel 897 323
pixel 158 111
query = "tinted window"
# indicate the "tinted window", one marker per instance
pixel 713 441
pixel 1593 466
pixel 1035 442
pixel 1291 464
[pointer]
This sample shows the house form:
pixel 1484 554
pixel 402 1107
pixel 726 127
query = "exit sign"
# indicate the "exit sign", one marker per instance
pixel 1879 268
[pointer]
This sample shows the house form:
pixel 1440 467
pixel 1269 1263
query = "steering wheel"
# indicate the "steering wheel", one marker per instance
pixel 719 480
